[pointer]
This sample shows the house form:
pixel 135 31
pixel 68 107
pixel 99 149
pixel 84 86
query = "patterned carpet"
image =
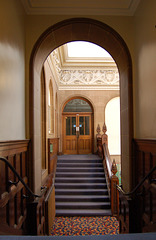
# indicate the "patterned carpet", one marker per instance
pixel 72 226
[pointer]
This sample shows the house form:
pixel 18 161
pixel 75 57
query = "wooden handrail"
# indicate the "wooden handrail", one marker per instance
pixel 108 159
pixel 112 180
pixel 138 185
pixel 20 179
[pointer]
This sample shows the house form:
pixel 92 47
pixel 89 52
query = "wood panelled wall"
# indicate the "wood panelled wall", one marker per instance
pixel 138 211
pixel 13 212
pixel 41 212
pixel 18 214
pixel 145 160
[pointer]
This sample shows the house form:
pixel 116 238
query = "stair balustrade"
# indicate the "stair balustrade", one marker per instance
pixel 22 211
pixel 110 169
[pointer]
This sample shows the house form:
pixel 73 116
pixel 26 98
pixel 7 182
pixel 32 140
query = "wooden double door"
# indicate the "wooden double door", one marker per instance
pixel 77 133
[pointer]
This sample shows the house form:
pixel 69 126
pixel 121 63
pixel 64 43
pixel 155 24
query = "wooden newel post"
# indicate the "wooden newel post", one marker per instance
pixel 99 141
pixel 104 135
pixel 114 191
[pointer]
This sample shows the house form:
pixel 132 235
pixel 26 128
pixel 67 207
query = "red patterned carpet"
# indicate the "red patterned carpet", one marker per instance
pixel 72 226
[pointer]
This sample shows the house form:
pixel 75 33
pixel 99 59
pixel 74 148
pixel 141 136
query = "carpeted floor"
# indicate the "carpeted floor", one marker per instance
pixel 72 226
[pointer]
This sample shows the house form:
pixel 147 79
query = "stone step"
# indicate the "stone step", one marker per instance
pixel 82 174
pixel 84 198
pixel 80 180
pixel 79 169
pixel 78 191
pixel 83 212
pixel 81 185
pixel 81 164
pixel 83 205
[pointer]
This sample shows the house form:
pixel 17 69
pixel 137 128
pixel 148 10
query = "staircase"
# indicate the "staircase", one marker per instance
pixel 80 186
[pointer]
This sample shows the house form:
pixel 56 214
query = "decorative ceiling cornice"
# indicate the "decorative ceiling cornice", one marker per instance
pixel 83 76
pixel 87 7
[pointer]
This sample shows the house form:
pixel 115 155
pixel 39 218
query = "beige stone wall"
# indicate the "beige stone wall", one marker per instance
pixel 97 98
pixel 49 77
pixel 12 70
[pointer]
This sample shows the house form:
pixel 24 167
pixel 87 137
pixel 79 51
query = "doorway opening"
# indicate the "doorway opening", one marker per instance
pixel 77 122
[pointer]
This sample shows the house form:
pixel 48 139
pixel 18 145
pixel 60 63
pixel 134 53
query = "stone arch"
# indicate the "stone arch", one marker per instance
pixel 101 34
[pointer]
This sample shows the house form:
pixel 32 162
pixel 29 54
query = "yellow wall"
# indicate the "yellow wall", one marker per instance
pixel 145 70
pixel 12 70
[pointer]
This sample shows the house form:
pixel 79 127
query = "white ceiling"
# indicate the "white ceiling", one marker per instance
pixel 81 7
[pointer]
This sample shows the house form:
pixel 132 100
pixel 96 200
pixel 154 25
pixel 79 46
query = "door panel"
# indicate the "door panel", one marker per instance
pixel 70 141
pixel 77 137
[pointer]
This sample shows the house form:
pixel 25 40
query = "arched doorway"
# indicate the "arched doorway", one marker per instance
pixel 77 130
pixel 101 34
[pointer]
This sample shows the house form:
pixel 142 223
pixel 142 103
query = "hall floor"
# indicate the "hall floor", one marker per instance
pixel 73 226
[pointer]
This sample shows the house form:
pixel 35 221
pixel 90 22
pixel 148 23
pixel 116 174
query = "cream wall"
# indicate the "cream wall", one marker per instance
pixel 12 70
pixel 145 70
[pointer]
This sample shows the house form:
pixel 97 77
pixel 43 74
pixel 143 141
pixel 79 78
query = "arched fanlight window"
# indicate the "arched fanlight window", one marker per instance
pixel 77 105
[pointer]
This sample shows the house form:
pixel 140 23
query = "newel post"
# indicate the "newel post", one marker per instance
pixel 104 135
pixel 114 191
pixel 99 141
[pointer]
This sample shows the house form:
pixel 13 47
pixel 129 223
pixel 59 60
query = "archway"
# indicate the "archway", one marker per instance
pixel 101 34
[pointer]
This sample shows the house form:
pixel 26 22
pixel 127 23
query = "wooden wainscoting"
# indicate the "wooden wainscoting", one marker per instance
pixel 13 212
pixel 144 161
pixel 144 157
pixel 41 211
pixel 138 211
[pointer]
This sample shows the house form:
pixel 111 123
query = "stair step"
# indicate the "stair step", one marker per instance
pixel 62 191
pixel 82 174
pixel 79 169
pixel 79 164
pixel 82 205
pixel 78 160
pixel 83 212
pixel 80 185
pixel 79 180
pixel 84 198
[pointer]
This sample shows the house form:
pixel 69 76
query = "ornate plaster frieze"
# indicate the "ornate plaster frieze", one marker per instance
pixel 89 77
pixel 86 76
